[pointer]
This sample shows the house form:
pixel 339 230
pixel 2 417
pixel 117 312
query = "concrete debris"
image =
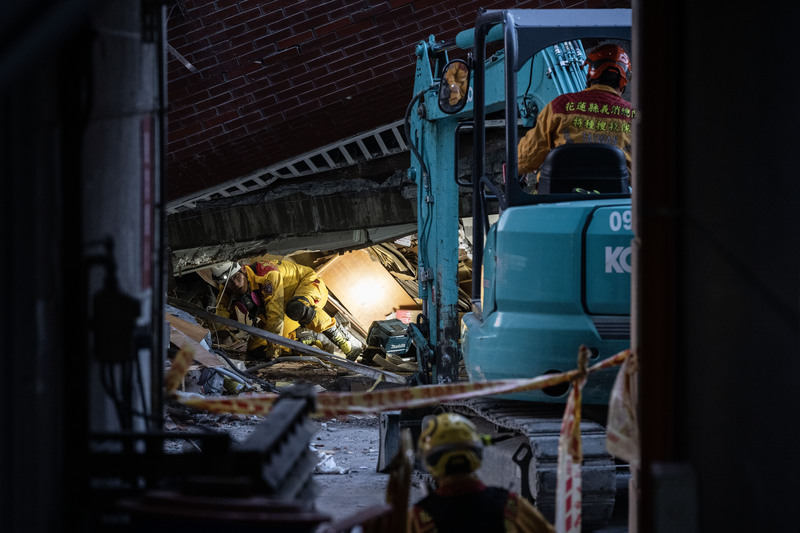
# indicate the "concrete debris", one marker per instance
pixel 327 464
pixel 387 274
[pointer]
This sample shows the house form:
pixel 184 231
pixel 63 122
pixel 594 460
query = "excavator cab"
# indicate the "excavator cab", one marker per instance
pixel 552 271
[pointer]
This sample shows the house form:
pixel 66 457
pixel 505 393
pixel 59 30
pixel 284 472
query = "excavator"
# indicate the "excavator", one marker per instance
pixel 550 270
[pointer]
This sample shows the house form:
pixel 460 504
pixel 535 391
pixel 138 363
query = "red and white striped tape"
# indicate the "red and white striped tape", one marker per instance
pixel 570 456
pixel 331 404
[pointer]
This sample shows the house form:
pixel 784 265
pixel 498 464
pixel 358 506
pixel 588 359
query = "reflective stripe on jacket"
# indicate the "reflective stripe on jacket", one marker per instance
pixel 595 115
pixel 275 282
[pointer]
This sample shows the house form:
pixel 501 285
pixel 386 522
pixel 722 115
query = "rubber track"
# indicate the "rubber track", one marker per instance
pixel 541 424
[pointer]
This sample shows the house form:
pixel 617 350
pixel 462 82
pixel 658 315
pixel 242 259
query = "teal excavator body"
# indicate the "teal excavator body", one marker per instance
pixel 550 272
pixel 553 272
pixel 555 277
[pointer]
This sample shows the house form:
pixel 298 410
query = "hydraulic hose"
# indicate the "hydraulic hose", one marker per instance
pixel 425 184
pixel 407 128
pixel 248 377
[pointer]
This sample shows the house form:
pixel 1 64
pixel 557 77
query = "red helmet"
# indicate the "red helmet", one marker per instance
pixel 609 56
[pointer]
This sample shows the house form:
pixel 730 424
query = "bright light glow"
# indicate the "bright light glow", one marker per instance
pixel 367 291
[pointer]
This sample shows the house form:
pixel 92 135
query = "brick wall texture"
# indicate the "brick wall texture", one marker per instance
pixel 271 80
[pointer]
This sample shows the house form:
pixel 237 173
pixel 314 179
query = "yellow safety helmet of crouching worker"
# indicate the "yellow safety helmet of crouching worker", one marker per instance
pixel 450 444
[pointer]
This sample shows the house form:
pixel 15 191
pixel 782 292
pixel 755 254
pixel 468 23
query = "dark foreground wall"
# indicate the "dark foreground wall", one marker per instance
pixel 717 270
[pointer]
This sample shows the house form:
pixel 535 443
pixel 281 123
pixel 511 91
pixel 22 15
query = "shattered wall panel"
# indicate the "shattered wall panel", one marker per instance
pixel 365 287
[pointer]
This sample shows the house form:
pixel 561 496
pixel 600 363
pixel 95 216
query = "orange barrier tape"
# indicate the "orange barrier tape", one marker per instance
pixel 570 455
pixel 331 404
pixel 180 365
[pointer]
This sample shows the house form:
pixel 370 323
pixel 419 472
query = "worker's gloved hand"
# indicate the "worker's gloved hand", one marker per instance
pixel 308 337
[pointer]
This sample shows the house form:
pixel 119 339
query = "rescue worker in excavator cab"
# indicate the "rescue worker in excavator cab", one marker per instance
pixel 267 292
pixel 597 114
pixel 452 450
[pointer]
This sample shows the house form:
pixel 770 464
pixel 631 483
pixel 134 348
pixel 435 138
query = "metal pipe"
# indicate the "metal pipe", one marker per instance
pixel 479 141
pixel 512 184
pixel 159 250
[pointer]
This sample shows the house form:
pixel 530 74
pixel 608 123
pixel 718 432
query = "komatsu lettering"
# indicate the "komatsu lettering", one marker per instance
pixel 618 259
pixel 618 221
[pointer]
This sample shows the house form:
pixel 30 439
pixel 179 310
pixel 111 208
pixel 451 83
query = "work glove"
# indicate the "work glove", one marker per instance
pixel 308 337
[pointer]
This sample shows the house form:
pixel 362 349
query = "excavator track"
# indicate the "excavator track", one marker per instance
pixel 524 458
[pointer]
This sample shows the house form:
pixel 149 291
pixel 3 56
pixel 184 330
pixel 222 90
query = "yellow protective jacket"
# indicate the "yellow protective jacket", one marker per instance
pixel 275 283
pixel 595 115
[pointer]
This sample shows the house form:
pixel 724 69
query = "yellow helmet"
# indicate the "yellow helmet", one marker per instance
pixel 450 444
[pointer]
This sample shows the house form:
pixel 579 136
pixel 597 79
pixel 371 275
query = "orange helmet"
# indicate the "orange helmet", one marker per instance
pixel 609 56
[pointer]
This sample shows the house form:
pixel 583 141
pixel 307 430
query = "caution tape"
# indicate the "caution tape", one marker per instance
pixel 622 431
pixel 332 404
pixel 177 370
pixel 570 456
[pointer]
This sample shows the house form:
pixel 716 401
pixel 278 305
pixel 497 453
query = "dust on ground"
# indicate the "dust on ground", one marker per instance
pixel 346 479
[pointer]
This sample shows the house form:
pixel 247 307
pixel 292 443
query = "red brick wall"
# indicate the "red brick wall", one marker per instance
pixel 275 79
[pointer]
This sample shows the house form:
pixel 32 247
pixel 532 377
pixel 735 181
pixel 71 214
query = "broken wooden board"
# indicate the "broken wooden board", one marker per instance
pixel 364 287
pixel 389 363
pixel 352 323
pixel 195 332
pixel 201 355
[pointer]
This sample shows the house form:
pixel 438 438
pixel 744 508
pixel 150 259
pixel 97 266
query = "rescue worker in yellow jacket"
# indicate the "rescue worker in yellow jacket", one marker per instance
pixel 598 114
pixel 452 450
pixel 267 292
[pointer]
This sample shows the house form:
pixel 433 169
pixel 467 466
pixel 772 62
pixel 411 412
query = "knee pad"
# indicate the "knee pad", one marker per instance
pixel 299 309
